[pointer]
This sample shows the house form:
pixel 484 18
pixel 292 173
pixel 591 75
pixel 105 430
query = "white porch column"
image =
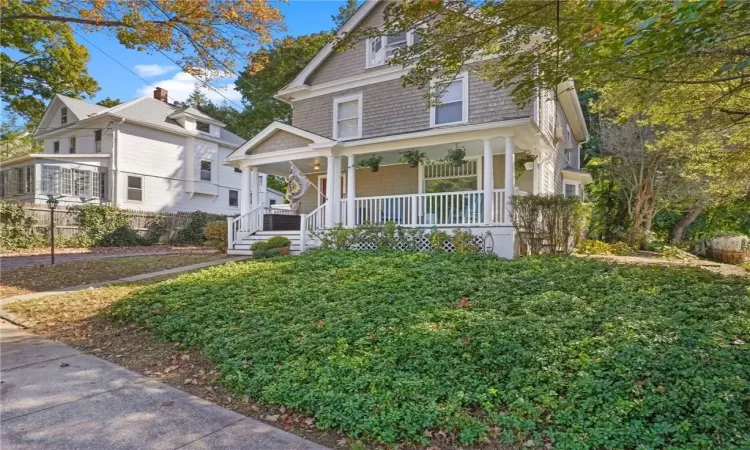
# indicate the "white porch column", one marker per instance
pixel 337 191
pixel 510 178
pixel 245 198
pixel 351 170
pixel 330 175
pixel 255 186
pixel 489 182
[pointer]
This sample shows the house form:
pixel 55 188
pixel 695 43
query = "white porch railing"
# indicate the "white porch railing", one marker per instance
pixel 311 223
pixel 247 223
pixel 444 209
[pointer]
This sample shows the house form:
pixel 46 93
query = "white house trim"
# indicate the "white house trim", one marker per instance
pixel 305 91
pixel 270 130
pixel 336 102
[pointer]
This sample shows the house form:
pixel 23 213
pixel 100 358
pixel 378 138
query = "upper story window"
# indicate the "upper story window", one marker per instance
pixel 63 115
pixel 381 49
pixel 98 141
pixel 203 126
pixel 72 147
pixel 56 147
pixel 347 117
pixel 453 104
pixel 205 170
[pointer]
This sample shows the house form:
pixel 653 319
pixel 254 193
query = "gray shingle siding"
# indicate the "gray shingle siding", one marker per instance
pixel 388 108
pixel 280 140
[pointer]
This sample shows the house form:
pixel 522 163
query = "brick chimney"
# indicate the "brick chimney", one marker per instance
pixel 160 94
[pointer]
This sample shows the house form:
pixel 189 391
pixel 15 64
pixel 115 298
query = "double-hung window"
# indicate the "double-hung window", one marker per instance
pixel 573 190
pixel 98 141
pixel 205 170
pixel 72 146
pixel 234 198
pixel 452 102
pixel 135 188
pixel 347 117
pixel 56 147
pixel 63 115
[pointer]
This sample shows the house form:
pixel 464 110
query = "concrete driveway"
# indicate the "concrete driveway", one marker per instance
pixel 54 397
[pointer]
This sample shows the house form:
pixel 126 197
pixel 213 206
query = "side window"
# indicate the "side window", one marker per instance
pixel 56 147
pixel 453 106
pixel 135 188
pixel 572 190
pixel 72 148
pixel 234 198
pixel 98 141
pixel 203 126
pixel 381 49
pixel 63 115
pixel 237 170
pixel 205 170
pixel 272 201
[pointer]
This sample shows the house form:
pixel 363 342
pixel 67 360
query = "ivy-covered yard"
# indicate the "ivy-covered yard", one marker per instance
pixel 412 347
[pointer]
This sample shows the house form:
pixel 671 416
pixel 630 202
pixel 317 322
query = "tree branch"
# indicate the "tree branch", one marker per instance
pixel 99 23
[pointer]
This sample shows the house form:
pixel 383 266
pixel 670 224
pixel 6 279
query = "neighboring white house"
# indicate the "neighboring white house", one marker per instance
pixel 144 154
pixel 350 105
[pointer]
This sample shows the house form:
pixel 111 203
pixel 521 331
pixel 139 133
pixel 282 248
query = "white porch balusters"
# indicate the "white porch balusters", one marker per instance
pixel 351 170
pixel 330 175
pixel 489 182
pixel 336 180
pixel 510 178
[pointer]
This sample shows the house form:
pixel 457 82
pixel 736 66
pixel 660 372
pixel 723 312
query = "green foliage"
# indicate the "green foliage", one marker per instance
pixel 519 162
pixel 279 242
pixel 108 102
pixel 390 346
pixel 106 226
pixel 271 68
pixel 412 156
pixel 259 246
pixel 745 265
pixel 463 241
pixel 438 239
pixel 455 155
pixel 192 234
pixel 215 235
pixel 371 162
pixel 594 247
pixel 548 223
pixel 671 252
pixel 16 227
pixel 727 219
pixel 390 236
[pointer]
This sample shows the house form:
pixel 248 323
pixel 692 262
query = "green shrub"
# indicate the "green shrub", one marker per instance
pixel 216 235
pixel 16 228
pixel 399 346
pixel 259 246
pixel 123 236
pixel 438 239
pixel 594 247
pixel 745 265
pixel 621 249
pixel 266 253
pixel 549 224
pixel 104 225
pixel 278 242
pixel 670 252
pixel 463 242
pixel 192 234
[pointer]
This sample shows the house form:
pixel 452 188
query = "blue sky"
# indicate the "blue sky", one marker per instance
pixel 300 17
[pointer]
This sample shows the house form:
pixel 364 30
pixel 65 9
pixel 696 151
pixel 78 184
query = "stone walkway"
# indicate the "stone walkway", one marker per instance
pixel 54 397
pixel 134 278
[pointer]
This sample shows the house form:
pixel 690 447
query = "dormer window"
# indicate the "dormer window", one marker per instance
pixel 63 115
pixel 381 49
pixel 203 126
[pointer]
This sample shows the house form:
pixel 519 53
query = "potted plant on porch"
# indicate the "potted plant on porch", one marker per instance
pixel 413 157
pixel 373 162
pixel 456 155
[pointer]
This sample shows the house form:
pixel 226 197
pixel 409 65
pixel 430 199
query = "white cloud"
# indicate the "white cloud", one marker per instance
pixel 182 84
pixel 153 70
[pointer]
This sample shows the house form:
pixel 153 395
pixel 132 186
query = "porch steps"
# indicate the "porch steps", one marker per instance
pixel 243 247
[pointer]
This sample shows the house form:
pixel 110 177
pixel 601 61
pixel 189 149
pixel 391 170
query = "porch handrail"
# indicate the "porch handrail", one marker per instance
pixel 312 222
pixel 249 223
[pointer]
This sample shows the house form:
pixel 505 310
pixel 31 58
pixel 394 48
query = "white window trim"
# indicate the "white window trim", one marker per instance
pixel 383 49
pixel 64 110
pixel 578 186
pixel 464 77
pixel 200 170
pixel 348 98
pixel 229 198
pixel 128 188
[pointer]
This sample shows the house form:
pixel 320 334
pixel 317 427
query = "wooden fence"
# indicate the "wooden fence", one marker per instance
pixel 67 226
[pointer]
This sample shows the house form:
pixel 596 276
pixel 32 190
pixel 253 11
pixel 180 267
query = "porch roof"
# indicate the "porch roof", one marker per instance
pixel 316 141
pixel 53 156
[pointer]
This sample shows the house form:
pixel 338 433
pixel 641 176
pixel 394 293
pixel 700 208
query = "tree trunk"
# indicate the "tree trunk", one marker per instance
pixel 684 222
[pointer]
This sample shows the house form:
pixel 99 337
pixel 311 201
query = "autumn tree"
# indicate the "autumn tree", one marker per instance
pixel 209 38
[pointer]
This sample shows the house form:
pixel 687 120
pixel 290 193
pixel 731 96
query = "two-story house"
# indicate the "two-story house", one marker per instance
pixel 351 105
pixel 144 154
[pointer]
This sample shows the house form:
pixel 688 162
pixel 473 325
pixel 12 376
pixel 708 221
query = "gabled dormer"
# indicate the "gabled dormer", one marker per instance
pixel 193 120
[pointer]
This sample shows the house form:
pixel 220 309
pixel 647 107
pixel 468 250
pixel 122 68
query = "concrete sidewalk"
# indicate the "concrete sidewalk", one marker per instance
pixel 55 397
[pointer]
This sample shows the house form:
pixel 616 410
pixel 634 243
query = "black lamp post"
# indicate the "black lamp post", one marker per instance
pixel 52 204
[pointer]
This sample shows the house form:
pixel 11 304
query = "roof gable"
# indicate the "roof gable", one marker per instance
pixel 298 136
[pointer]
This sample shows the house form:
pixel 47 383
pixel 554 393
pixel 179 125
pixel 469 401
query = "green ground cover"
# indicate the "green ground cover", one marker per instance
pixel 400 347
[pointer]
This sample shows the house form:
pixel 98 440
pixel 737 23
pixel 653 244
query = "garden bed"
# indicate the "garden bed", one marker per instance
pixel 449 350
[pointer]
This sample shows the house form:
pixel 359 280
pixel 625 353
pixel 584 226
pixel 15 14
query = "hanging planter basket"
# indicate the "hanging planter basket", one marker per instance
pixel 373 162
pixel 413 157
pixel 375 168
pixel 413 163
pixel 456 156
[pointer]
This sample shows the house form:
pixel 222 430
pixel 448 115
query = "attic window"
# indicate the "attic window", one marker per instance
pixel 63 115
pixel 203 126
pixel 381 49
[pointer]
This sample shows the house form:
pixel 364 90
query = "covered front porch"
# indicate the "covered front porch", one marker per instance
pixel 434 193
